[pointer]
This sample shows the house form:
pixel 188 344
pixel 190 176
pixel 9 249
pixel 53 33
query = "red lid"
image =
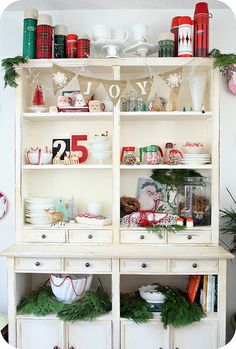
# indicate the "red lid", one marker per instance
pixel 169 145
pixel 129 148
pixel 71 37
pixel 201 7
pixel 185 20
pixel 175 21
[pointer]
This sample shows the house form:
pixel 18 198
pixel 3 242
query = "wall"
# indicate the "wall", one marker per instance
pixel 223 26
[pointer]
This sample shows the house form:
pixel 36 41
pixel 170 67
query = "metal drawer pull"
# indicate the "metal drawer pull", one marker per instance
pixel 194 266
pixel 87 265
pixel 90 236
pixel 37 264
pixel 141 237
pixel 43 236
pixel 190 237
pixel 144 265
pixel 56 347
pixel 71 348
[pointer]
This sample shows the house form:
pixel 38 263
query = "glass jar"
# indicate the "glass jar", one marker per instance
pixel 194 200
pixel 152 155
pixel 128 155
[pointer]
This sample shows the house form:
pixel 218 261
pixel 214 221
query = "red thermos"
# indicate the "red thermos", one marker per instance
pixel 175 31
pixel 201 29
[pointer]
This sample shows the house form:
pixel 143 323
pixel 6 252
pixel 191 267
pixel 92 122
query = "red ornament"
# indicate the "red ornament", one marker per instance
pixel 38 98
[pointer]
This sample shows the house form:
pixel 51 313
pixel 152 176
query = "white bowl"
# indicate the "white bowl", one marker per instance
pixel 101 146
pixel 70 288
pixel 101 155
pixel 101 139
pixel 150 294
pixel 192 150
pixel 46 158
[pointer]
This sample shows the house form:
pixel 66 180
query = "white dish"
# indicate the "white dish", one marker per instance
pixel 101 155
pixel 38 109
pixel 101 146
pixel 69 288
pixel 193 150
pixel 150 294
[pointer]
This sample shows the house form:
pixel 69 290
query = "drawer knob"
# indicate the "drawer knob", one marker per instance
pixel 194 266
pixel 141 237
pixel 71 348
pixel 144 265
pixel 56 347
pixel 37 264
pixel 43 236
pixel 87 265
pixel 90 236
pixel 190 237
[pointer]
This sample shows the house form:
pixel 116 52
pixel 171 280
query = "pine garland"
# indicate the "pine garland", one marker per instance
pixel 173 178
pixel 92 305
pixel 133 307
pixel 10 74
pixel 177 310
pixel 223 61
pixel 42 302
pixel 159 230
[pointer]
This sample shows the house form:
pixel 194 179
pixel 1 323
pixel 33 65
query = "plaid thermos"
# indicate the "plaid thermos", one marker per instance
pixel 83 46
pixel 71 46
pixel 201 29
pixel 29 36
pixel 44 37
pixel 60 32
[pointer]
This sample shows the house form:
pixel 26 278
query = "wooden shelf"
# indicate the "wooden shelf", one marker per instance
pixel 110 62
pixel 66 167
pixel 71 226
pixel 165 167
pixel 49 117
pixel 165 116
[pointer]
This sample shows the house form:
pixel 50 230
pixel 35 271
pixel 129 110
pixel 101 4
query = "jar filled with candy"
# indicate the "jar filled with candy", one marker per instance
pixel 151 155
pixel 172 156
pixel 128 155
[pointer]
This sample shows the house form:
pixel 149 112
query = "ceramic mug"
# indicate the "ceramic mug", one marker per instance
pixel 64 101
pixel 140 32
pixel 101 32
pixel 96 106
pixel 119 34
pixel 108 105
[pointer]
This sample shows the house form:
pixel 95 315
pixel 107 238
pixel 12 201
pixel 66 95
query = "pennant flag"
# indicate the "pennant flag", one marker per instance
pixel 60 78
pixel 88 86
pixel 114 88
pixel 142 87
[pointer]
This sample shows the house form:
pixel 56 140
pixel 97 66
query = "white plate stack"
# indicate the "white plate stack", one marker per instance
pixel 196 159
pixel 35 210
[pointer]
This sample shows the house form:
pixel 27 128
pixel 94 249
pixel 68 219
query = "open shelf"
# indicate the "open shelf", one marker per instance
pixel 166 116
pixel 66 167
pixel 76 226
pixel 165 167
pixel 39 117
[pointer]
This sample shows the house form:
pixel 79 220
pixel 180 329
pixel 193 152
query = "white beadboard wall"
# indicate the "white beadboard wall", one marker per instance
pixel 222 31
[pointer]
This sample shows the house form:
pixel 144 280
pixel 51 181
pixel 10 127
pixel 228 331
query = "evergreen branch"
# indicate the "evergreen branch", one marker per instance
pixel 160 229
pixel 10 74
pixel 133 307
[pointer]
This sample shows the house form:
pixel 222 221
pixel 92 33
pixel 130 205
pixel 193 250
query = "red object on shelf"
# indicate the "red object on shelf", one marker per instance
pixel 192 287
pixel 185 40
pixel 201 29
pixel 38 98
pixel 175 31
pixel 83 46
pixel 71 45
pixel 43 41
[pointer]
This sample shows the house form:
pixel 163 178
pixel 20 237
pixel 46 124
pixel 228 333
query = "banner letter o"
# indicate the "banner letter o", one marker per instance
pixel 111 88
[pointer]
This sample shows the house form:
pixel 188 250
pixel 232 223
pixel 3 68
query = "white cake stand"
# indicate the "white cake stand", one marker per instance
pixel 111 46
pixel 141 49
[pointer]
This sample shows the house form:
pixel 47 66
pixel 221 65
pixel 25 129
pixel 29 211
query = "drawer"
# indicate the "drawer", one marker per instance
pixel 190 237
pixel 90 236
pixel 143 265
pixel 140 237
pixel 88 265
pixel 45 236
pixel 38 264
pixel 194 266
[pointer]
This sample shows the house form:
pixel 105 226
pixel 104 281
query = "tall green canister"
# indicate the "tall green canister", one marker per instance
pixel 29 36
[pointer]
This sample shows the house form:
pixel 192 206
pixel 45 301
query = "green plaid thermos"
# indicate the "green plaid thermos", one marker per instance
pixel 166 45
pixel 60 32
pixel 29 35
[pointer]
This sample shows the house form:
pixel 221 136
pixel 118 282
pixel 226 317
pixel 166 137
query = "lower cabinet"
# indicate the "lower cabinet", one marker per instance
pixel 39 334
pixel 150 335
pixel 89 335
pixel 198 335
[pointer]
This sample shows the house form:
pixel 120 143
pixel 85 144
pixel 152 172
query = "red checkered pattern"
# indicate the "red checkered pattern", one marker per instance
pixel 83 48
pixel 44 41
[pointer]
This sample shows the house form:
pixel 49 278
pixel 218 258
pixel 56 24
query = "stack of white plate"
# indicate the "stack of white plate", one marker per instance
pixel 35 210
pixel 196 159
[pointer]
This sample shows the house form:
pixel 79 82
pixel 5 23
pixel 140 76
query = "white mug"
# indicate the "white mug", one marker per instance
pixel 101 32
pixel 95 208
pixel 119 34
pixel 140 32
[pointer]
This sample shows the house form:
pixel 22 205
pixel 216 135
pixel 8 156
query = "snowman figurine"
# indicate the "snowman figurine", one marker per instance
pixel 80 103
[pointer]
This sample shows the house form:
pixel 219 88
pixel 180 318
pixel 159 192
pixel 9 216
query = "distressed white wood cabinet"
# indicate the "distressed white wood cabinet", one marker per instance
pixel 124 258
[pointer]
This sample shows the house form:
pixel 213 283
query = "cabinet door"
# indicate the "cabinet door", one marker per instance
pixel 139 336
pixel 199 335
pixel 90 335
pixel 39 334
